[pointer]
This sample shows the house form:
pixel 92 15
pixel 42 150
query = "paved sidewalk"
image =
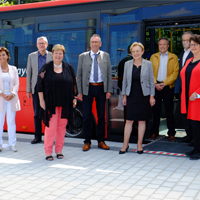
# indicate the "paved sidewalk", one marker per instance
pixel 96 174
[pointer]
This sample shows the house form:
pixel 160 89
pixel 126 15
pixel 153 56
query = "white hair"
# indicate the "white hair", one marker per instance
pixel 42 38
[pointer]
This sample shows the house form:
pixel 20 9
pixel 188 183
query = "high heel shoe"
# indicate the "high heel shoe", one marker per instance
pixel 140 152
pixel 122 152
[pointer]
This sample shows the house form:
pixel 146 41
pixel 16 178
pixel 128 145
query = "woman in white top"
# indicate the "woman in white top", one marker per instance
pixel 9 101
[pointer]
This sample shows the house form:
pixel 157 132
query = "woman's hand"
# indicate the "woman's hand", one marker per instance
pixel 3 95
pixel 74 103
pixel 42 104
pixel 193 96
pixel 152 101
pixel 9 97
pixel 124 100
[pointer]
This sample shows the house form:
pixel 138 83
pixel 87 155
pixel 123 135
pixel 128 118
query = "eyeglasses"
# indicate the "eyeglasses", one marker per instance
pixel 42 43
pixel 194 45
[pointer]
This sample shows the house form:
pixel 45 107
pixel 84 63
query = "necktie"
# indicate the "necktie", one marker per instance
pixel 95 68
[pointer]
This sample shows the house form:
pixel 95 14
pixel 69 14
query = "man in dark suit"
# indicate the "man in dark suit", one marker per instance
pixel 35 62
pixel 184 56
pixel 94 80
pixel 121 73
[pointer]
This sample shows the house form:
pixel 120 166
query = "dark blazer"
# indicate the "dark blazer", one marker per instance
pixel 84 70
pixel 178 81
pixel 146 78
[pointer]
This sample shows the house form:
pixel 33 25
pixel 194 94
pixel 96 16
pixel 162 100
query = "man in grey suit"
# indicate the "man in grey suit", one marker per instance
pixel 35 62
pixel 94 79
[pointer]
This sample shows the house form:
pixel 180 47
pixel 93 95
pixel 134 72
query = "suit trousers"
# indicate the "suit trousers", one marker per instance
pixel 96 92
pixel 196 135
pixel 167 95
pixel 37 120
pixel 55 132
pixel 10 118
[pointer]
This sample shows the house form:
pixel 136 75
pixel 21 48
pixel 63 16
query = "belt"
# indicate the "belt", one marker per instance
pixel 6 90
pixel 96 84
pixel 159 82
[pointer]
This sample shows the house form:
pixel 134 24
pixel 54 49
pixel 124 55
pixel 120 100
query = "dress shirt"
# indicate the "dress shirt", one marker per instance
pixel 186 53
pixel 100 77
pixel 162 72
pixel 41 60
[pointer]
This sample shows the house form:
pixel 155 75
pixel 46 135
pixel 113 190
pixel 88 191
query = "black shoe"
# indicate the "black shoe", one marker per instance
pixel 123 152
pixel 140 152
pixel 35 141
pixel 195 156
pixel 185 140
pixel 191 144
pixel 189 153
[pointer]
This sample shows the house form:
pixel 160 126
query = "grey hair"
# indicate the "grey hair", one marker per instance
pixel 188 32
pixel 42 38
pixel 96 35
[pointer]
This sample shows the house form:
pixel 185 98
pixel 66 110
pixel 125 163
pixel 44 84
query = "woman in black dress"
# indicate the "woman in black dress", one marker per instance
pixel 138 94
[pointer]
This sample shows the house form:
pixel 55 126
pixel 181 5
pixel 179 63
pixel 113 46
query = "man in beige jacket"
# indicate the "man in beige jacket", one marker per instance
pixel 166 69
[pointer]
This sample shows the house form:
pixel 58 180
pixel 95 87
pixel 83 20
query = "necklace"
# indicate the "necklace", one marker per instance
pixel 58 66
pixel 6 70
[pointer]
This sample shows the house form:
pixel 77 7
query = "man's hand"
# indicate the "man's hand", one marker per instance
pixel 108 95
pixel 159 86
pixel 29 95
pixel 80 96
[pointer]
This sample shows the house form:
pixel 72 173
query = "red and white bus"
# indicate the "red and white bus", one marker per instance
pixel 72 22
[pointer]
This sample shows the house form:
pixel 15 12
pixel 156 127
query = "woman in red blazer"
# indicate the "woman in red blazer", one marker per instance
pixel 190 96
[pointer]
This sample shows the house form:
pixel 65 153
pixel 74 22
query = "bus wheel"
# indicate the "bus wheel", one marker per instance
pixel 77 130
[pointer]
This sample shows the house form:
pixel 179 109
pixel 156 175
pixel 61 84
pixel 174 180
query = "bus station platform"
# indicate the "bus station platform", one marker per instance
pixel 97 174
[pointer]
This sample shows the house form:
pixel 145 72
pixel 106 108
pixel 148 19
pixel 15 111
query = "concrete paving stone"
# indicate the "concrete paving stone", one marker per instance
pixel 102 192
pixel 65 196
pixel 122 177
pixel 85 194
pixel 190 193
pixel 109 197
pixel 179 188
pixel 173 194
pixel 74 191
pixel 168 184
pixel 153 186
pixel 96 197
pixel 147 191
pixel 142 183
pixel 124 198
pixel 7 196
pixel 140 197
pixel 93 189
pixel 187 179
pixel 51 197
pixel 186 198
pixel 130 193
pixel 163 190
pixel 157 196
pixel 141 173
pixel 116 191
pixel 25 195
pixel 194 186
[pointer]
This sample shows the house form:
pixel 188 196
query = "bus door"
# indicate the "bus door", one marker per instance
pixel 119 37
pixel 174 34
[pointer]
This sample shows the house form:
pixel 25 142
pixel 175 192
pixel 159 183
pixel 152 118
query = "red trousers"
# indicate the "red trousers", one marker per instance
pixel 55 132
